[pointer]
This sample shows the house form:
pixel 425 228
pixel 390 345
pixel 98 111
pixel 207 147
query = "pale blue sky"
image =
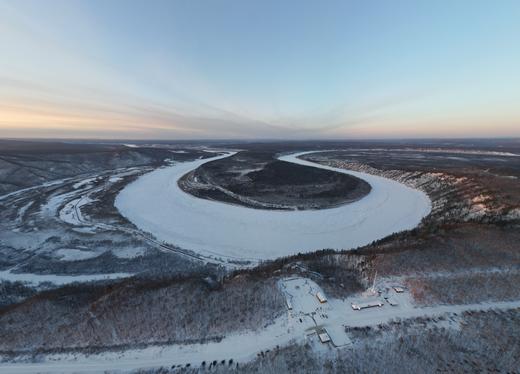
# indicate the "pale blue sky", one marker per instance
pixel 268 69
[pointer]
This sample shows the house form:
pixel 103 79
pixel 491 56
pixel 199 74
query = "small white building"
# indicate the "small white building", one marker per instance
pixel 324 337
pixel 367 304
pixel 398 289
pixel 392 301
pixel 321 298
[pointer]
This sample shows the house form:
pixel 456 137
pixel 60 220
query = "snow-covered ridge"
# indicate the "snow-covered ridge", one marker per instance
pixel 157 205
pixel 477 152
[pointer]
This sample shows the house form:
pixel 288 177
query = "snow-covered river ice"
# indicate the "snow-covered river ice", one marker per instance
pixel 157 205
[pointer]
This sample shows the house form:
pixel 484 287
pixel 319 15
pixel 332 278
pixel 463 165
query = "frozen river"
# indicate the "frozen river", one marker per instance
pixel 157 205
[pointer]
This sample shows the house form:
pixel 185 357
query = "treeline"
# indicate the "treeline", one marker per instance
pixel 487 343
pixel 139 311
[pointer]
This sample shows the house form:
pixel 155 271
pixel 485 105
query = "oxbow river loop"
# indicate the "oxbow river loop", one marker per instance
pixel 157 205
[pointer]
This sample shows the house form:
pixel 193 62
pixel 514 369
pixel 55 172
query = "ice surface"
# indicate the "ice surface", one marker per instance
pixel 156 204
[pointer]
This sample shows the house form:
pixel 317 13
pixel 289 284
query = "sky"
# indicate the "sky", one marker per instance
pixel 269 69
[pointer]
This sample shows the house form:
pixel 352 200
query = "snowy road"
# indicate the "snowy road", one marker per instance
pixel 157 205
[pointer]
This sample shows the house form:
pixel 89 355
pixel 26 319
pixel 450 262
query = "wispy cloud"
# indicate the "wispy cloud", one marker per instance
pixel 90 68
